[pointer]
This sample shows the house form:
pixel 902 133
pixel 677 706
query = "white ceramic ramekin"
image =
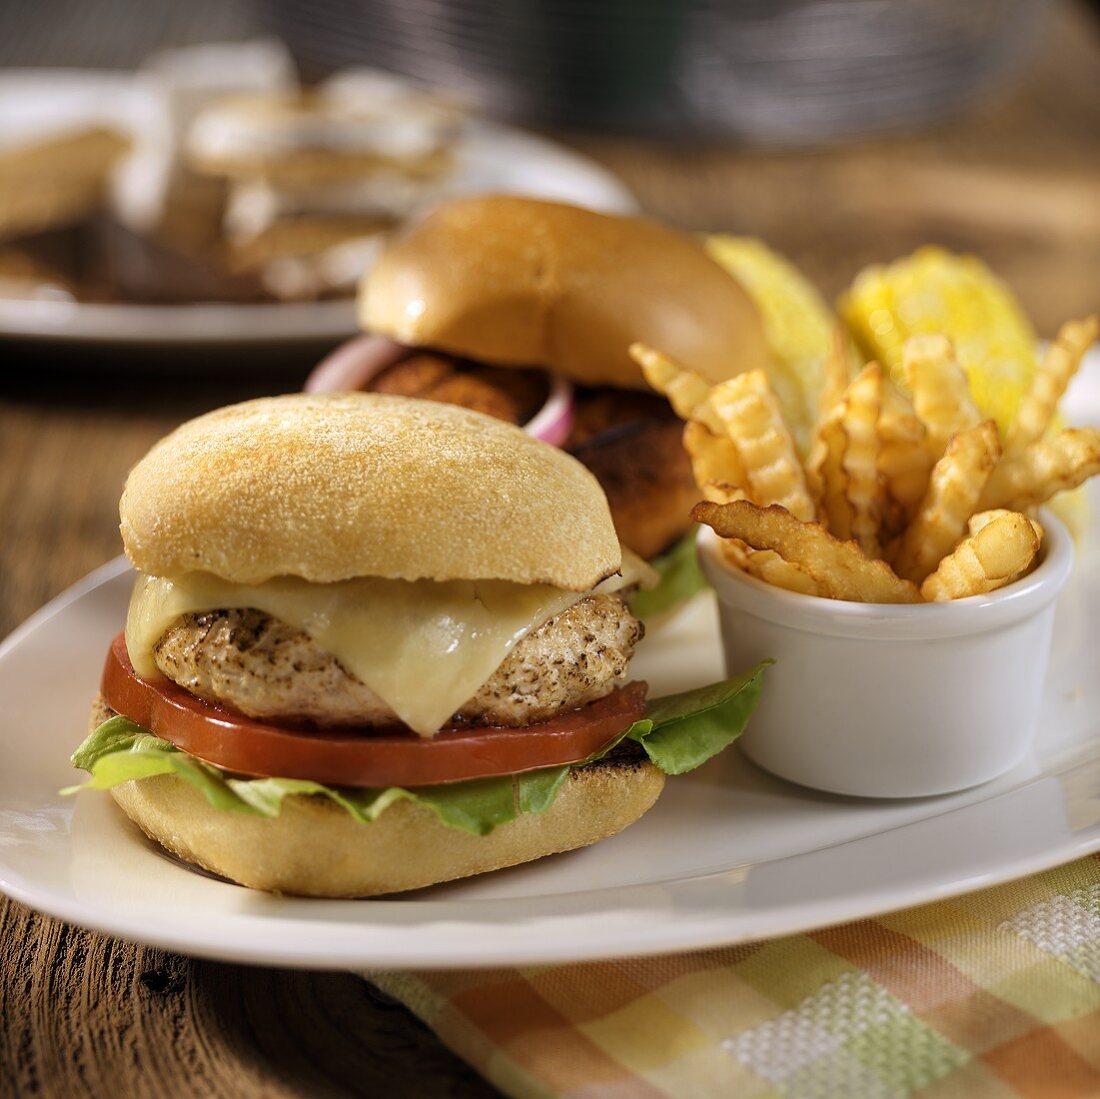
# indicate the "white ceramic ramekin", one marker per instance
pixel 892 701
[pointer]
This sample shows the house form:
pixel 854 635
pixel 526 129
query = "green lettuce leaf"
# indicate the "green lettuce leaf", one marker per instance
pixel 539 789
pixel 678 733
pixel 681 578
pixel 688 729
pixel 120 750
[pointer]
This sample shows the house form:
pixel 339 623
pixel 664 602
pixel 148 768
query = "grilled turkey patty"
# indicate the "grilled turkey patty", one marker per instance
pixel 265 668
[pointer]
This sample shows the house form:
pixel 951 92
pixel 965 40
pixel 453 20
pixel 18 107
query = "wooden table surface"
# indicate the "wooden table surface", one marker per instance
pixel 1016 180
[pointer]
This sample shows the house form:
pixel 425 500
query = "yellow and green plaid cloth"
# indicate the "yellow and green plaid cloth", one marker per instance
pixel 995 994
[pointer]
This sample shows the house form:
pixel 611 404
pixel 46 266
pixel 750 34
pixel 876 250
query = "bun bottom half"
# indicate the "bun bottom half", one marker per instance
pixel 315 849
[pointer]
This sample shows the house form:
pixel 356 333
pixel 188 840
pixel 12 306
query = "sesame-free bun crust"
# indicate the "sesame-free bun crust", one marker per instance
pixel 313 848
pixel 521 282
pixel 328 487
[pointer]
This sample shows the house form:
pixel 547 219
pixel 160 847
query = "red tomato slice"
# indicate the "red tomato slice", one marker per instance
pixel 238 743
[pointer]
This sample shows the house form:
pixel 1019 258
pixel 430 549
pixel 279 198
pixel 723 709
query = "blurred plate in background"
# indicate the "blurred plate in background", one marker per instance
pixel 491 157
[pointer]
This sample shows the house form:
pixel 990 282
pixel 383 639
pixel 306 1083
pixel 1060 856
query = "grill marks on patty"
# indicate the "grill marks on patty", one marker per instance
pixel 260 666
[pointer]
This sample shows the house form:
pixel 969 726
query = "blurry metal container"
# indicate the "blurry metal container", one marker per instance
pixel 778 71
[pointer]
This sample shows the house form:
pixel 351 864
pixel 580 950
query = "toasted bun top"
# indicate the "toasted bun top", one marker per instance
pixel 339 486
pixel 521 282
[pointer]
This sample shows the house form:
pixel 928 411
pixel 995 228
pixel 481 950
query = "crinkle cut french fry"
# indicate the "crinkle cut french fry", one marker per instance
pixel 954 489
pixel 1036 473
pixel 768 566
pixel 982 519
pixel 722 492
pixel 687 390
pixel 827 472
pixel 840 569
pixel 735 551
pixel 755 424
pixel 818 451
pixel 903 459
pixel 844 463
pixel 982 562
pixel 714 458
pixel 864 488
pixel 836 370
pixel 941 392
pixel 1049 382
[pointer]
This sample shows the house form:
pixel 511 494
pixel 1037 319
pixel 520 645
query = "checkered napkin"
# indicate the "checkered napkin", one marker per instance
pixel 996 994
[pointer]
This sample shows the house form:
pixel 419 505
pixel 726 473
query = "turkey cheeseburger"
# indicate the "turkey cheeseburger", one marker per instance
pixel 374 643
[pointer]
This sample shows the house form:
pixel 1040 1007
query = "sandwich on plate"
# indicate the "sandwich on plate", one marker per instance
pixel 485 285
pixel 376 643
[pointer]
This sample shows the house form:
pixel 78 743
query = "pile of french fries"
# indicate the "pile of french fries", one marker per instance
pixel 902 498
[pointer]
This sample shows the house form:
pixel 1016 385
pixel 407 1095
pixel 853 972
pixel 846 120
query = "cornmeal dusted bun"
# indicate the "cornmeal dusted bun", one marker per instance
pixel 521 282
pixel 314 848
pixel 276 487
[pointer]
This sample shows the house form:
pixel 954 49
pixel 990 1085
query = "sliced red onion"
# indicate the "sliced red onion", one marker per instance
pixel 353 364
pixel 553 422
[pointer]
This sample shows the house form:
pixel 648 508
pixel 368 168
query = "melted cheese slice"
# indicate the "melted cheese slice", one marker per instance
pixel 424 648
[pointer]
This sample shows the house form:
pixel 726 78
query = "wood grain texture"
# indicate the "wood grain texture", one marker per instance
pixel 86 1015
pixel 1017 181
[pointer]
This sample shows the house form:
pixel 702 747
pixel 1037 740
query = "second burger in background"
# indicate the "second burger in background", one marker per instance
pixel 485 285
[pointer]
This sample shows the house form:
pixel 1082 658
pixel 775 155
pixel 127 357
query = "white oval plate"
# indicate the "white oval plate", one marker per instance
pixel 728 853
pixel 491 157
